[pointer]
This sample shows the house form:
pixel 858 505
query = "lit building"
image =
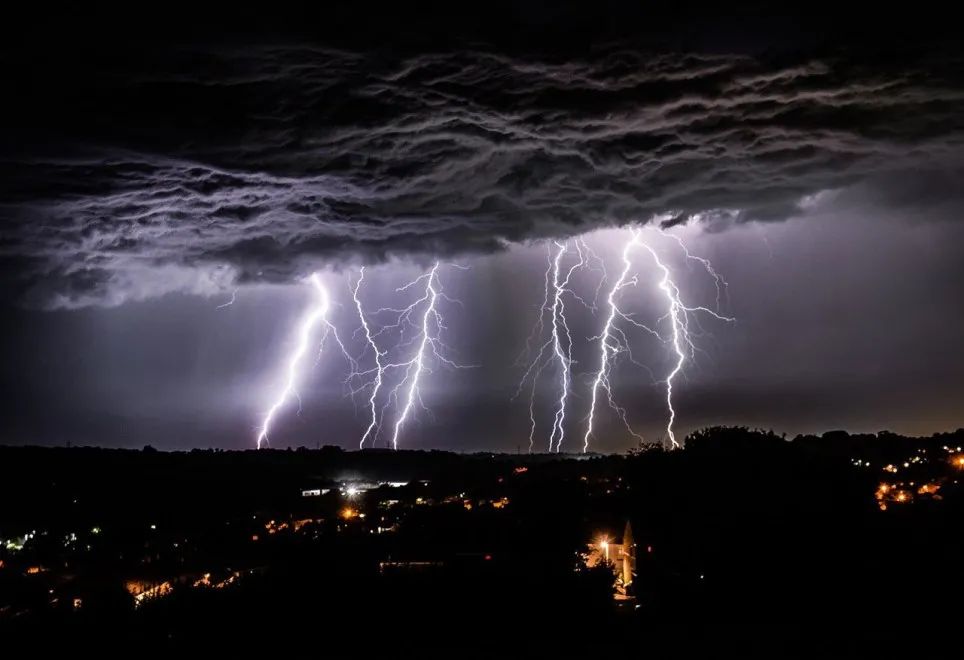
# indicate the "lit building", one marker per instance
pixel 621 556
pixel 142 590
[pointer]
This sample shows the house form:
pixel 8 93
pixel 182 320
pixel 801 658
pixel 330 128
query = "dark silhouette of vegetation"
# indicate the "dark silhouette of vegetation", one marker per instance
pixel 744 540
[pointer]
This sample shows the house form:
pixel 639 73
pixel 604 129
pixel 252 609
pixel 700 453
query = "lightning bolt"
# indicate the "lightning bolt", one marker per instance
pixel 234 295
pixel 613 341
pixel 379 367
pixel 722 288
pixel 564 359
pixel 428 329
pixel 316 315
pixel 679 317
pixel 537 365
pixel 558 347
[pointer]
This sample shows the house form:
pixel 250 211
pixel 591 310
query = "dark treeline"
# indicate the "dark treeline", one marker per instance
pixel 745 542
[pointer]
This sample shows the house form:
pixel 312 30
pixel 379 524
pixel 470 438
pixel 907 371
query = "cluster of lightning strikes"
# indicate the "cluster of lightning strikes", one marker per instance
pixel 551 350
pixel 424 321
pixel 378 356
pixel 679 316
pixel 558 347
pixel 415 331
pixel 614 340
pixel 317 315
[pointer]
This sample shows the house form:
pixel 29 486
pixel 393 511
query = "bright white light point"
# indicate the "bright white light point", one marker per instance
pixel 315 316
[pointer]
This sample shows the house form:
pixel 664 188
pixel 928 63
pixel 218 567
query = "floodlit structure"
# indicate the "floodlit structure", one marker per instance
pixel 621 556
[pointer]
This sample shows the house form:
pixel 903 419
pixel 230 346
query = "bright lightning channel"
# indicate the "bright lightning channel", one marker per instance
pixel 558 347
pixel 379 367
pixel 678 315
pixel 234 296
pixel 537 365
pixel 564 359
pixel 722 287
pixel 429 329
pixel 317 315
pixel 613 341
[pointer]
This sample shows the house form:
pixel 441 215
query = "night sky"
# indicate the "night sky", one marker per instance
pixel 153 168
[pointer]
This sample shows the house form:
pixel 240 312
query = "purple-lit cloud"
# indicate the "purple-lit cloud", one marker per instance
pixel 293 157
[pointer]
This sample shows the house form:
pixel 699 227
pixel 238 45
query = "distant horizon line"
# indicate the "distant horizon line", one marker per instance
pixel 470 452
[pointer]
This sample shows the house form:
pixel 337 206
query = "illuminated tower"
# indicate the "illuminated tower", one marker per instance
pixel 626 562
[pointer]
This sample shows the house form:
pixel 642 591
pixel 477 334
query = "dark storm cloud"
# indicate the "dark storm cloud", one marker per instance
pixel 202 167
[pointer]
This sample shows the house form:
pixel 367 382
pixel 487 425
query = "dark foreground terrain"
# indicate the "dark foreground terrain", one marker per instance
pixel 743 543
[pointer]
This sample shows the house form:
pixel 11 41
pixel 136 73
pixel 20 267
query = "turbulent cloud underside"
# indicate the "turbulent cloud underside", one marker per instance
pixel 261 164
